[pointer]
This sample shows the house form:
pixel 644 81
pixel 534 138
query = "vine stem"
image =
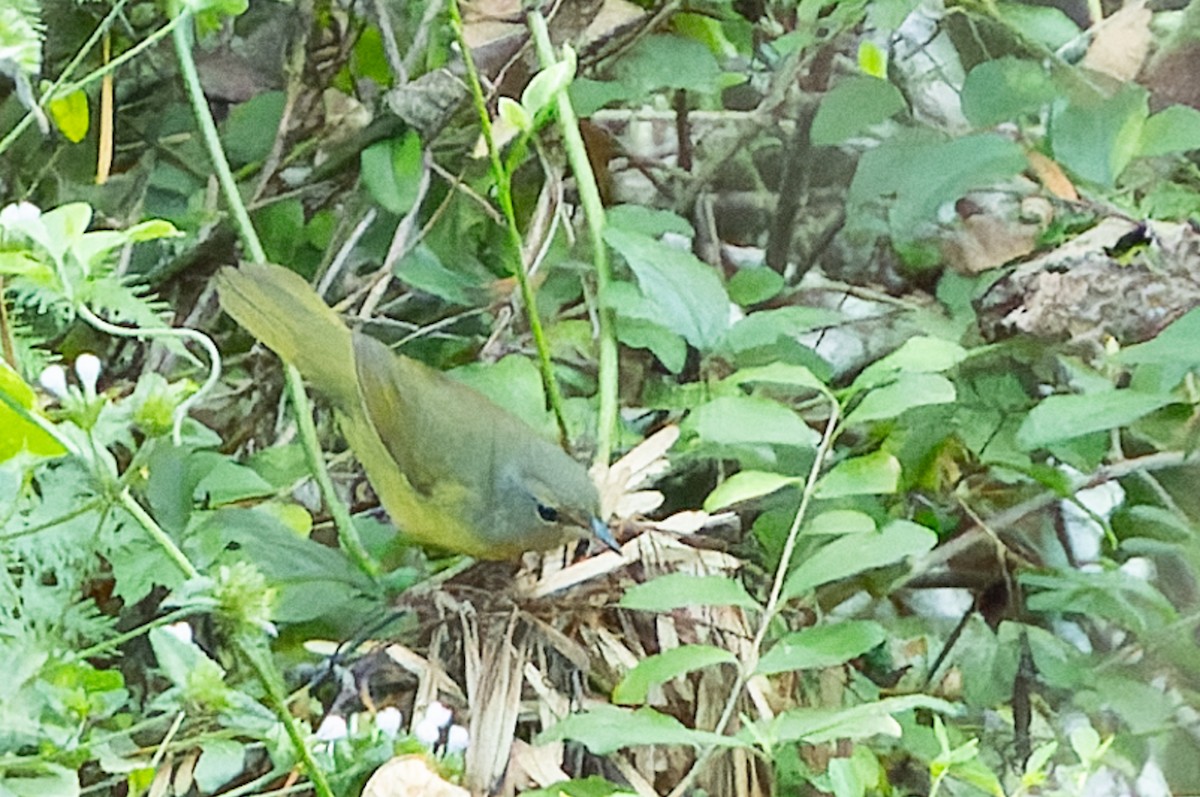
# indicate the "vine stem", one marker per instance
pixel 593 211
pixel 503 180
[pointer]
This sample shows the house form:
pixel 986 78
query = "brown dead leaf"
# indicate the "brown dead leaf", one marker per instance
pixel 1121 43
pixel 1051 176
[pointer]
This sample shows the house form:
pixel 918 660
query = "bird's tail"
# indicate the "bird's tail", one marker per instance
pixel 279 308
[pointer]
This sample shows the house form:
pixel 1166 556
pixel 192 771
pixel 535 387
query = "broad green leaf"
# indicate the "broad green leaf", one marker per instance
pixel 746 485
pixel 687 293
pixel 779 374
pixel 668 62
pixel 753 285
pixel 228 482
pixel 662 667
pixel 1175 128
pixel 816 725
pixel 1096 137
pixel 221 760
pixel 676 590
pixel 877 473
pixel 765 327
pixel 593 786
pixel 249 132
pixel 918 355
pixel 738 420
pixel 42 779
pixel 392 169
pixel 607 729
pixel 18 431
pixel 1177 347
pixel 643 333
pixel 649 221
pixel 822 646
pixel 837 522
pixel 70 115
pixel 1001 90
pixel 423 269
pixel 915 173
pixel 1060 418
pixel 851 107
pixel 1046 25
pixel 908 391
pixel 858 553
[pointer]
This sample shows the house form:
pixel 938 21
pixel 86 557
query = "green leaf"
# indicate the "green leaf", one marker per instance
pixel 594 786
pixel 1096 137
pixel 642 333
pixel 392 170
pixel 1175 128
pixel 1060 418
pixel 877 473
pixel 753 285
pixel 837 522
pixel 1004 89
pixel 688 295
pixel 607 729
pixel 738 420
pixel 18 431
pixel 40 779
pixel 778 373
pixel 822 646
pixel 249 132
pixel 221 760
pixel 817 725
pixel 858 553
pixel 851 107
pixel 916 173
pixel 910 390
pixel 515 115
pixel 422 269
pixel 676 590
pixel 746 485
pixel 70 115
pixel 766 327
pixel 668 62
pixel 546 84
pixel 662 667
pixel 917 355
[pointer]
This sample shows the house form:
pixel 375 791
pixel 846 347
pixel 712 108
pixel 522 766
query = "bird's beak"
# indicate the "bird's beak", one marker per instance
pixel 600 529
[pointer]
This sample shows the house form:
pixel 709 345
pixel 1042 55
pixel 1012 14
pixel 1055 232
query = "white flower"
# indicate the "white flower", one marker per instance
pixel 181 631
pixel 388 721
pixel 54 380
pixel 332 729
pixel 427 733
pixel 438 714
pixel 456 739
pixel 87 366
pixel 11 215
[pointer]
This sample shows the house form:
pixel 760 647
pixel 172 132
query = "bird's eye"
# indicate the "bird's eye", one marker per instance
pixel 547 513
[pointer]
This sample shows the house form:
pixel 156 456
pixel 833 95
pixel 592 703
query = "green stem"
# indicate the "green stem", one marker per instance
pixel 503 182
pixel 593 211
pixel 161 537
pixel 347 533
pixel 268 675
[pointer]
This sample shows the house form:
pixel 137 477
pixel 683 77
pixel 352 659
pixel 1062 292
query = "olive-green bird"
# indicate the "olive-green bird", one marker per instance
pixel 453 469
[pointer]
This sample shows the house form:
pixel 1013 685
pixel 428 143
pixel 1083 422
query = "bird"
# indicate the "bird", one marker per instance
pixel 454 470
